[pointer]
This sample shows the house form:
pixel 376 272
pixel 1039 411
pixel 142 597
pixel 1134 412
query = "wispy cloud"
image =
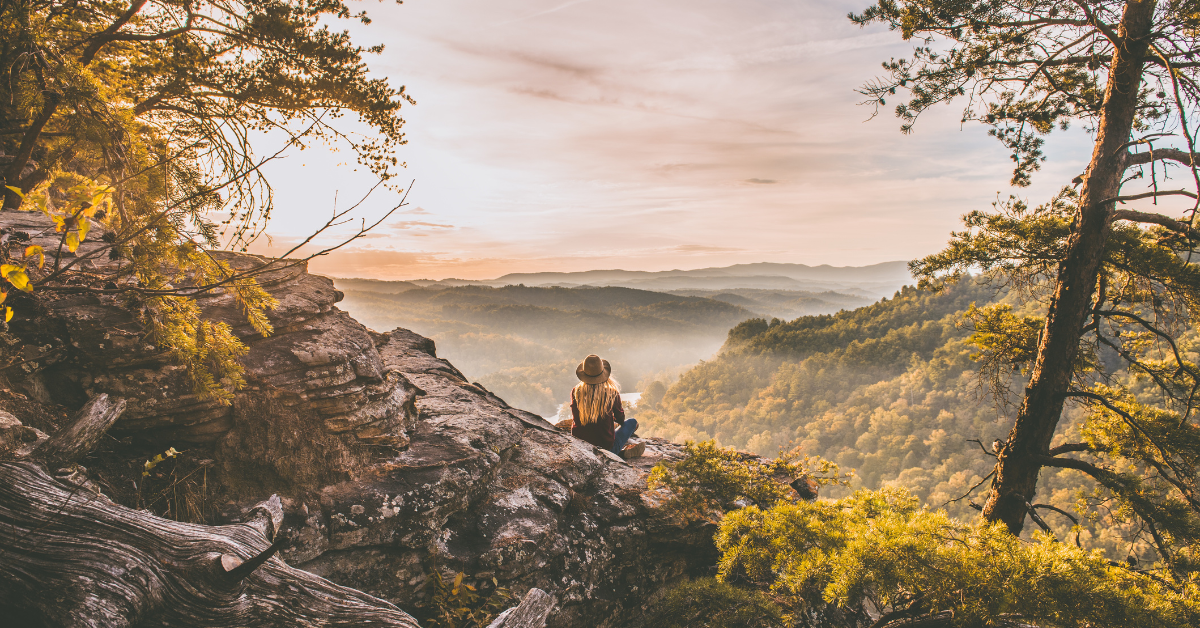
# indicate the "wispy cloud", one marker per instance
pixel 703 248
pixel 555 9
pixel 761 181
pixel 416 224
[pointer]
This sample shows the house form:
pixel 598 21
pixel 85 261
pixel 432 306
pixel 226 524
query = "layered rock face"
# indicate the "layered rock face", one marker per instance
pixel 497 492
pixel 389 462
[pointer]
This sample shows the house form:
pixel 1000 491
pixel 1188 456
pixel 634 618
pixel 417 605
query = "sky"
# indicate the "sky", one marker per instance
pixel 570 135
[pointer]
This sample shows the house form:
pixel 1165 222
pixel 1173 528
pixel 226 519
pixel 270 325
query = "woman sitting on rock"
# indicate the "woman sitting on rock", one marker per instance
pixel 596 410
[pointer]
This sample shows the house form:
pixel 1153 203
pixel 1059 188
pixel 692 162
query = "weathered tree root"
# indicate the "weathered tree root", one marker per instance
pixel 71 557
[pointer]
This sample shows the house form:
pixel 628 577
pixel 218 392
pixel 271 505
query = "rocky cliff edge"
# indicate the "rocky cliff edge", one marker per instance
pixel 389 462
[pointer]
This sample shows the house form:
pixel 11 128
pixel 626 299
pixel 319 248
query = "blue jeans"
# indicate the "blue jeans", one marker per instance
pixel 624 431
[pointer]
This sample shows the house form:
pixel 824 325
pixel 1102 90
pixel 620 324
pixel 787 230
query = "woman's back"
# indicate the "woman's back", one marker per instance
pixel 596 408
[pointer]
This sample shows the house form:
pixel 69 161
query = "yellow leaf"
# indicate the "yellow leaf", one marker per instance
pixel 34 249
pixel 85 225
pixel 8 314
pixel 16 191
pixel 72 241
pixel 3 296
pixel 16 276
pixel 154 462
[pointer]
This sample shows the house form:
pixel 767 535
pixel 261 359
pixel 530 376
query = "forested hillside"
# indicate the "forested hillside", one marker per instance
pixel 786 304
pixel 773 377
pixel 889 390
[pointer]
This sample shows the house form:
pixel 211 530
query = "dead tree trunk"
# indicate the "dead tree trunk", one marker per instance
pixel 83 433
pixel 71 557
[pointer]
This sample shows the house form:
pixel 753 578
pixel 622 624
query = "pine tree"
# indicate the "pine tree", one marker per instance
pixel 1119 287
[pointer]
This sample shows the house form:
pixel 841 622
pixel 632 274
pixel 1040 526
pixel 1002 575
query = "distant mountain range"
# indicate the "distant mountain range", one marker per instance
pixel 868 281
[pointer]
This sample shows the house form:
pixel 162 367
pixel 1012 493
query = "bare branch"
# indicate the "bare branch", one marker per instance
pixel 970 490
pixel 1109 33
pixel 1177 473
pixel 1069 447
pixel 1072 463
pixel 99 40
pixel 1145 323
pixel 1155 219
pixel 1173 154
pixel 1134 197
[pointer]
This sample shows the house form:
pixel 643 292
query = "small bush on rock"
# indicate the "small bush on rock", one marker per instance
pixel 460 605
pixel 711 603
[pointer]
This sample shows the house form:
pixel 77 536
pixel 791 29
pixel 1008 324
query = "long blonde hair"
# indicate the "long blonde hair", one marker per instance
pixel 595 400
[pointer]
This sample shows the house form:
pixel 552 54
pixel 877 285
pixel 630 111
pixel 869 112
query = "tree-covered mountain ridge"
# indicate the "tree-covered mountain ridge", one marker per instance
pixel 889 390
pixel 872 281
pixel 812 364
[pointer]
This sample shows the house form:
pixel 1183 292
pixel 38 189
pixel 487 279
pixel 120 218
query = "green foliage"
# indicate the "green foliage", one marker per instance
pixel 458 604
pixel 906 423
pixel 825 380
pixel 860 334
pixel 1022 244
pixel 711 603
pixel 138 118
pixel 833 563
pixel 1058 52
pixel 999 333
pixel 878 549
pixel 711 479
pixel 1135 372
pixel 652 394
pixel 1007 345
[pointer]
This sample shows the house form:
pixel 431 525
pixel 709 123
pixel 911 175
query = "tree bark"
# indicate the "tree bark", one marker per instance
pixel 12 176
pixel 88 425
pixel 530 613
pixel 70 557
pixel 1018 466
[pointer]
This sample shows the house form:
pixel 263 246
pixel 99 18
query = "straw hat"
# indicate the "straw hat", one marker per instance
pixel 593 370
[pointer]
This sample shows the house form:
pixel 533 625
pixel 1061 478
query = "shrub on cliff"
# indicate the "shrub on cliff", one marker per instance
pixel 879 558
pixel 712 479
pixel 712 603
pixel 138 118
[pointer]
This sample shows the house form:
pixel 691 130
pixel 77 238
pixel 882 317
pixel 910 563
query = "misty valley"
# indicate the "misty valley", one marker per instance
pixel 523 340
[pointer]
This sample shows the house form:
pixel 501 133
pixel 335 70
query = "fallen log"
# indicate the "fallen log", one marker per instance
pixel 71 557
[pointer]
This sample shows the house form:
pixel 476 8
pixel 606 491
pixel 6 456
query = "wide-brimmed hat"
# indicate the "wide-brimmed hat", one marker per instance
pixel 593 370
